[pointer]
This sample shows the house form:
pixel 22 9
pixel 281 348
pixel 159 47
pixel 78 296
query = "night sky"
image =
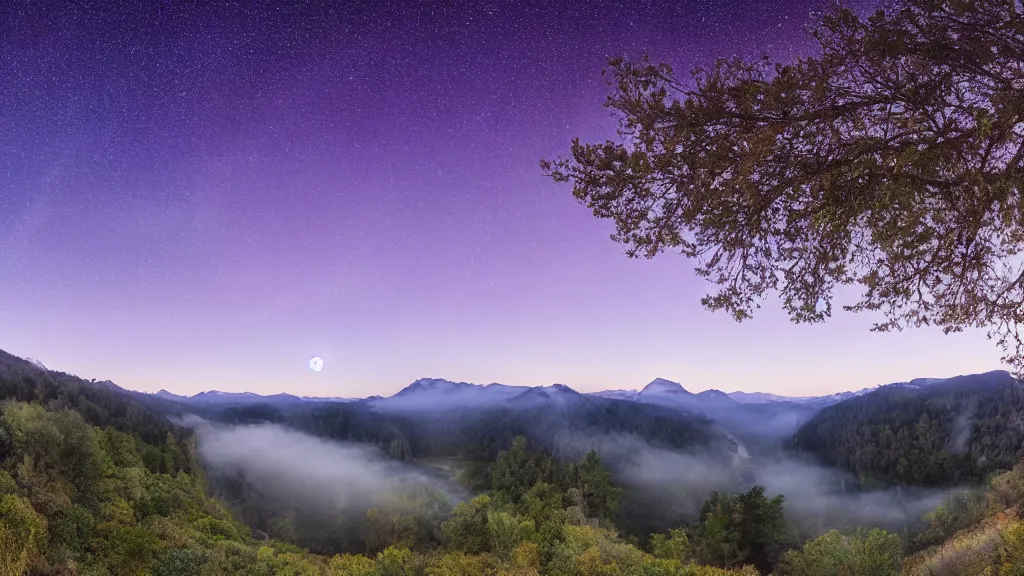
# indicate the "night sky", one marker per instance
pixel 198 196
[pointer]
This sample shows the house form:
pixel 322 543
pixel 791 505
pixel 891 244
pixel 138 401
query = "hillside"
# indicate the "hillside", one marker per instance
pixel 761 424
pixel 441 419
pixel 662 413
pixel 927 432
pixel 82 491
pixel 95 479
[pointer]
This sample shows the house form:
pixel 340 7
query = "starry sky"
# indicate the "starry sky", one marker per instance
pixel 203 195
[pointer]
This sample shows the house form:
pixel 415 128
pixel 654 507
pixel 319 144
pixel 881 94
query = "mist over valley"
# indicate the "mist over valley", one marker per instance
pixel 668 448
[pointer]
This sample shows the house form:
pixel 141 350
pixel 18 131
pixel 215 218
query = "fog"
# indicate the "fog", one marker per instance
pixel 309 471
pixel 664 487
pixel 434 396
pixel 672 486
pixel 963 427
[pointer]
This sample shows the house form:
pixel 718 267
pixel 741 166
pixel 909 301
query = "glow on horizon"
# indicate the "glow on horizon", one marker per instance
pixel 787 362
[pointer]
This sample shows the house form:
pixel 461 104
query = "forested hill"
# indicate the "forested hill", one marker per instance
pixel 101 404
pixel 566 428
pixel 96 480
pixel 925 432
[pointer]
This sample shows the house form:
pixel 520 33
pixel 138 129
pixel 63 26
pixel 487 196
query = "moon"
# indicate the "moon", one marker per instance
pixel 316 363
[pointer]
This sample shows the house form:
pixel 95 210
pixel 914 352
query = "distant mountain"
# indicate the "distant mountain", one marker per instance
pixel 762 397
pixel 757 426
pixel 433 393
pixel 616 394
pixel 661 386
pixel 100 403
pixel 218 398
pixel 716 397
pixel 820 401
pixel 928 431
pixel 169 396
pixel 329 399
pixel 555 395
pixel 436 418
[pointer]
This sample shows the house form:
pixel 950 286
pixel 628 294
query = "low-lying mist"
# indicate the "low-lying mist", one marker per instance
pixel 276 472
pixel 667 487
pixel 279 471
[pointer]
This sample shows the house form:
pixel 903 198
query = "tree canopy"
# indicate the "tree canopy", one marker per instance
pixel 890 161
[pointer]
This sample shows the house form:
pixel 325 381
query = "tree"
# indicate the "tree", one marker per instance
pixel 394 562
pixel 892 161
pixel 600 497
pixel 507 532
pixel 741 529
pixel 22 534
pixel 676 546
pixel 516 470
pixel 866 553
pixel 180 562
pixel 466 530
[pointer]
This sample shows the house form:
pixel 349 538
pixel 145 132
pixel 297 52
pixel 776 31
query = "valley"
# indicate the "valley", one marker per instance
pixel 646 470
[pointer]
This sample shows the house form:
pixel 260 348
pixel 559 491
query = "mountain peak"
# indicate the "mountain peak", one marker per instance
pixel 559 394
pixel 37 363
pixel 219 393
pixel 712 393
pixel 717 397
pixel 663 386
pixel 165 394
pixel 433 385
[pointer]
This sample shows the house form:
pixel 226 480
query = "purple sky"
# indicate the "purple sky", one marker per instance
pixel 199 198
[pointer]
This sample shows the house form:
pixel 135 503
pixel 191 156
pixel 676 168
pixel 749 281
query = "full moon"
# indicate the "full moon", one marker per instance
pixel 316 363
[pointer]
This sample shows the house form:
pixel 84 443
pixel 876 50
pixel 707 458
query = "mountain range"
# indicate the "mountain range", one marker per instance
pixel 757 423
pixel 658 391
pixel 218 397
pixel 927 430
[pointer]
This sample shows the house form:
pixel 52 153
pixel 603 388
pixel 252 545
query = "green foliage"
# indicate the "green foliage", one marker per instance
pixel 961 510
pixel 866 553
pixel 181 562
pixel 675 546
pixel 407 519
pixel 598 496
pixel 1006 490
pixel 78 495
pixel 84 498
pixel 71 532
pixel 351 565
pixel 466 529
pixel 516 470
pixel 944 433
pixel 741 529
pixel 394 562
pixel 461 564
pixel 7 483
pixel 22 535
pixel 507 532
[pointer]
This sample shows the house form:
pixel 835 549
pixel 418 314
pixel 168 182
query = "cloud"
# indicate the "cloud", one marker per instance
pixel 311 472
pixel 672 485
pixel 962 429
